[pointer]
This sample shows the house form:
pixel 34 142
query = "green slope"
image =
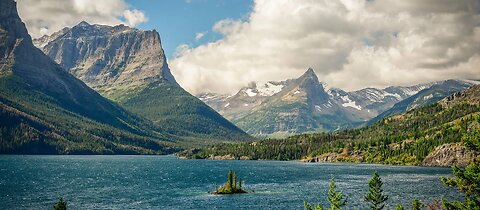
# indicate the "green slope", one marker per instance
pixel 401 139
pixel 37 122
pixel 181 114
pixel 45 110
pixel 128 66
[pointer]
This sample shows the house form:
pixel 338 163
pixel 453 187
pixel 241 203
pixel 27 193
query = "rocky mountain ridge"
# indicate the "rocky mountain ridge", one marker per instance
pixel 108 58
pixel 328 109
pixel 129 66
pixel 46 110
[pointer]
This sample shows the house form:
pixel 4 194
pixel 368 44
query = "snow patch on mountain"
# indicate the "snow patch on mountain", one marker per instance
pixel 428 97
pixel 269 89
pixel 349 103
pixel 395 95
pixel 250 92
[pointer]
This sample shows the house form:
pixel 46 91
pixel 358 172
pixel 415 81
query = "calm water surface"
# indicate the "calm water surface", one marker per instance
pixel 165 182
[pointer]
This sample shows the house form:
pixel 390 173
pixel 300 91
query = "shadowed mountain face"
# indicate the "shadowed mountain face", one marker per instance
pixel 46 110
pixel 276 109
pixel 128 66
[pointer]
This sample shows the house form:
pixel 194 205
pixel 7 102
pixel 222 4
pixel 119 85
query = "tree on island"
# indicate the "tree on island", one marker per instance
pixel 232 186
pixel 375 197
pixel 335 198
pixel 60 205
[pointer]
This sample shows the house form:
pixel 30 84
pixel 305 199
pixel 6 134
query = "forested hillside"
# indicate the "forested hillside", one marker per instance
pixel 400 139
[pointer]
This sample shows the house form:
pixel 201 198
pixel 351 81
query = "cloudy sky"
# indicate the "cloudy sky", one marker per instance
pixel 220 46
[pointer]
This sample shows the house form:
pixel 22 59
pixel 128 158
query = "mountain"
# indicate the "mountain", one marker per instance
pixel 108 59
pixel 430 135
pixel 292 106
pixel 369 102
pixel 424 97
pixel 45 110
pixel 128 66
pixel 305 104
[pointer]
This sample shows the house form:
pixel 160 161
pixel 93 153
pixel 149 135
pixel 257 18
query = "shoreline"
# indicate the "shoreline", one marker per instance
pixel 301 161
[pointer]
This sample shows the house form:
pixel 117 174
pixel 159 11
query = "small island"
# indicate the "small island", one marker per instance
pixel 232 186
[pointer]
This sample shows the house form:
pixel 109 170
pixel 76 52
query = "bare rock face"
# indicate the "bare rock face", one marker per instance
pixel 129 66
pixel 326 158
pixel 470 96
pixel 448 155
pixel 107 57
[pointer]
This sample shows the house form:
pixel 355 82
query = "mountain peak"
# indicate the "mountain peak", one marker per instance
pixel 310 71
pixel 83 24
pixel 309 75
pixel 109 57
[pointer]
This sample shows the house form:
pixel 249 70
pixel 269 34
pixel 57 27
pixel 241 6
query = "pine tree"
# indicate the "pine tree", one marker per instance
pixel 374 197
pixel 399 207
pixel 60 205
pixel 234 180
pixel 230 179
pixel 416 204
pixel 240 184
pixel 335 198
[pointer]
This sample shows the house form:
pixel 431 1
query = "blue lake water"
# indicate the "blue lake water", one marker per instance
pixel 165 182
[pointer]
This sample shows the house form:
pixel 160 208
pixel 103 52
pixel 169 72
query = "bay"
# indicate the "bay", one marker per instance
pixel 166 182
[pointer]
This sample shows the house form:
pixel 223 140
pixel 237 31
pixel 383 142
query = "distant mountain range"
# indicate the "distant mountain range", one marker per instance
pixel 276 109
pixel 94 89
pixel 128 66
pixel 431 135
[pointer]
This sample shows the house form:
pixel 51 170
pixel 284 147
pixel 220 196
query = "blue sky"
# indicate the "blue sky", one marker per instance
pixel 179 21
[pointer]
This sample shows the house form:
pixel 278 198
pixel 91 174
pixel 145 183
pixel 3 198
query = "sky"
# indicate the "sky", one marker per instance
pixel 221 46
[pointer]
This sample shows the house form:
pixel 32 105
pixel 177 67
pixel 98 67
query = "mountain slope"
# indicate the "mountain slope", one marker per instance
pixel 428 135
pixel 302 105
pixel 45 110
pixel 276 109
pixel 424 97
pixel 128 66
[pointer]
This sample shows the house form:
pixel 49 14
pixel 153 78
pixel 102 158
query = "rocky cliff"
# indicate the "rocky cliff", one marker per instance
pixel 46 110
pixel 128 66
pixel 448 155
pixel 108 58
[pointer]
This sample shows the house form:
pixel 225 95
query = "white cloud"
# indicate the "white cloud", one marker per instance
pixel 199 36
pixel 134 17
pixel 47 16
pixel 182 50
pixel 350 43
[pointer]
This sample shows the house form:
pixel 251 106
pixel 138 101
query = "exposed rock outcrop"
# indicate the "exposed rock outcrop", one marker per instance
pixel 322 159
pixel 108 56
pixel 471 96
pixel 129 66
pixel 46 110
pixel 448 155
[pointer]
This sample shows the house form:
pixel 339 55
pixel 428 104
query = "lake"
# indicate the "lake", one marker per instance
pixel 165 182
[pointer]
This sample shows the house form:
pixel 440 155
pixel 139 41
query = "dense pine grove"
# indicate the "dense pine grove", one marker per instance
pixel 400 139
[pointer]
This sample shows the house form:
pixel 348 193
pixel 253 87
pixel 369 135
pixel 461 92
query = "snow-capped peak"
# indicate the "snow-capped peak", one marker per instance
pixel 269 88
pixel 263 89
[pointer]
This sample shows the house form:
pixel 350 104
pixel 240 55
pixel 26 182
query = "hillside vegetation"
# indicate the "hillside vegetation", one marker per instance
pixel 400 139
